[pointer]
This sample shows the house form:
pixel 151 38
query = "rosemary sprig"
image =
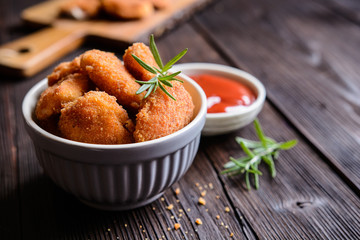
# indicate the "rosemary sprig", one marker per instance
pixel 267 150
pixel 162 77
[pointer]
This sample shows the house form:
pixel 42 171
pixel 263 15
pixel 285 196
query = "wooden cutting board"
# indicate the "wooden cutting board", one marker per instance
pixel 29 55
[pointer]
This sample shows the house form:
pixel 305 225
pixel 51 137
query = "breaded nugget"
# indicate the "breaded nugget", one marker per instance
pixel 66 90
pixel 160 115
pixel 96 118
pixel 143 52
pixel 80 9
pixel 160 4
pixel 110 75
pixel 128 9
pixel 64 69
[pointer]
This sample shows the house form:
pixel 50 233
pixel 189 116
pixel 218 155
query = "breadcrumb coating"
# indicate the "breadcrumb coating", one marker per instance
pixel 110 75
pixel 160 4
pixel 128 9
pixel 54 97
pixel 64 69
pixel 68 108
pixel 143 52
pixel 160 115
pixel 96 118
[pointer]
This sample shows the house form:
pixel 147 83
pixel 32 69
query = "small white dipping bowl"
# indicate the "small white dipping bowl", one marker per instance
pixel 221 123
pixel 116 177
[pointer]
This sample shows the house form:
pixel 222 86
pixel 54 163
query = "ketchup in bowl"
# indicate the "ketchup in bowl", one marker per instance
pixel 223 94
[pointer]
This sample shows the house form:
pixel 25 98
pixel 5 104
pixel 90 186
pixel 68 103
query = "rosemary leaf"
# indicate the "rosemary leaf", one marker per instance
pixel 174 60
pixel 150 90
pixel 268 159
pixel 143 88
pixel 288 144
pixel 175 79
pixel 155 52
pixel 166 83
pixel 165 91
pixel 266 149
pixel 248 143
pixel 260 133
pixel 170 77
pixel 144 65
pixel 162 77
pixel 247 150
pixel 254 170
pixel 247 180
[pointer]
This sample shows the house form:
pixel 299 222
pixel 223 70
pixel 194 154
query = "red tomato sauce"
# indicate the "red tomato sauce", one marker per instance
pixel 223 94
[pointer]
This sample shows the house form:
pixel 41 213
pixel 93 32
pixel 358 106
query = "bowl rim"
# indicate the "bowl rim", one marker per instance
pixel 214 67
pixel 35 91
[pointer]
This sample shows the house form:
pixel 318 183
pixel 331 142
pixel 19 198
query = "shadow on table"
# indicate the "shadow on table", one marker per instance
pixel 41 210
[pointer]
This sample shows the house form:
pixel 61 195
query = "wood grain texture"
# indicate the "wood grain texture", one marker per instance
pixel 9 195
pixel 320 102
pixel 302 202
pixel 303 196
pixel 311 77
pixel 28 55
pixel 346 8
pixel 60 216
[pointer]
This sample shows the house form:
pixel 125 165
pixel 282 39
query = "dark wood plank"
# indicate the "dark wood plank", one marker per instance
pixel 321 103
pixel 10 219
pixel 61 216
pixel 306 200
pixel 348 9
pixel 306 194
pixel 9 196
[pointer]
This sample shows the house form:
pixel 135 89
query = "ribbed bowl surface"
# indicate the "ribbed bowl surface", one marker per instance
pixel 117 186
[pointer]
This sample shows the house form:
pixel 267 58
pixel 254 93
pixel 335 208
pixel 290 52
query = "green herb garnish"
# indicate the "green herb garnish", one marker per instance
pixel 267 149
pixel 162 77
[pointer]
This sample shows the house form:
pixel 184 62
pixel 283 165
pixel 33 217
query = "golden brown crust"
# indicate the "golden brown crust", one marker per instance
pixel 96 118
pixel 64 91
pixel 110 75
pixel 143 52
pixel 68 109
pixel 128 9
pixel 160 116
pixel 64 69
pixel 160 4
pixel 81 9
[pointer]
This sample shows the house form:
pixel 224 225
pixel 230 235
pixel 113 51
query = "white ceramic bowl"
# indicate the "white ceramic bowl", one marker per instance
pixel 221 123
pixel 116 177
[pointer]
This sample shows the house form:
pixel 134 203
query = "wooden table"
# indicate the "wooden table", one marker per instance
pixel 306 53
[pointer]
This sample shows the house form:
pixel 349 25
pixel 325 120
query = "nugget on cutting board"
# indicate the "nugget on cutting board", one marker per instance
pixel 110 75
pixel 64 69
pixel 160 4
pixel 160 115
pixel 81 9
pixel 96 118
pixel 64 91
pixel 143 52
pixel 128 9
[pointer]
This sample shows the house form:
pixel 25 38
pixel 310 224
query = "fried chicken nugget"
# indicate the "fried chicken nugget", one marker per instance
pixel 64 69
pixel 64 91
pixel 96 118
pixel 110 75
pixel 128 9
pixel 160 4
pixel 160 115
pixel 81 9
pixel 143 52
